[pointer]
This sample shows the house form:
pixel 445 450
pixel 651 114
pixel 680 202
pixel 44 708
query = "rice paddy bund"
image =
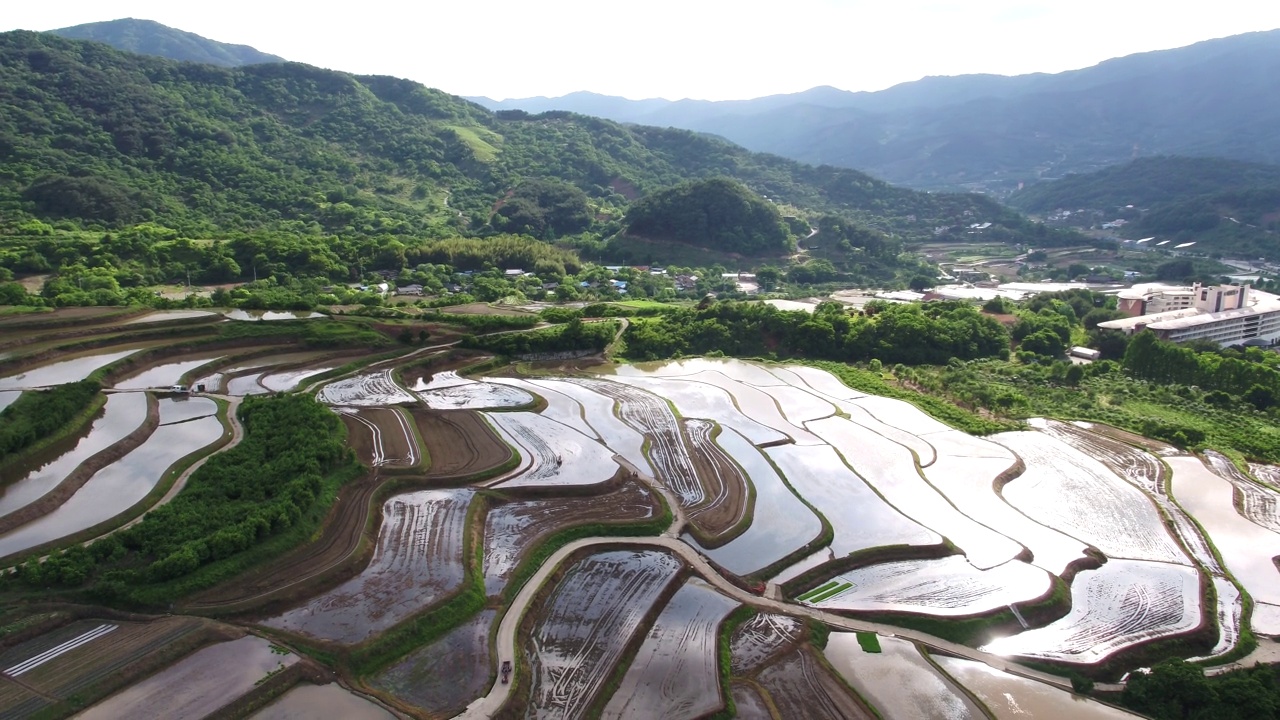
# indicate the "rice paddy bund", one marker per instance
pixel 667 540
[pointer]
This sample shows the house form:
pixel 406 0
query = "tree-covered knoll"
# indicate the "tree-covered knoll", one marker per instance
pixel 718 213
pixel 38 414
pixel 149 37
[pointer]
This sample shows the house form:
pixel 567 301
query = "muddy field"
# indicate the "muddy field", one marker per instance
pixel 381 437
pixel 73 661
pixel 307 701
pixel 801 687
pixel 898 681
pixel 459 443
pixel 723 483
pixel 586 623
pixel 758 640
pixel 513 528
pixel 445 676
pixel 417 562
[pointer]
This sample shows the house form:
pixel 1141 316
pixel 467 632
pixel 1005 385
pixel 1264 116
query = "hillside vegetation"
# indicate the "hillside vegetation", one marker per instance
pixel 148 37
pixel 717 213
pixel 1226 206
pixel 93 138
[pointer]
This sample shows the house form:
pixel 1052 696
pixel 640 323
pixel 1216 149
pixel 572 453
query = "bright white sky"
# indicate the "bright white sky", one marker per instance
pixel 708 49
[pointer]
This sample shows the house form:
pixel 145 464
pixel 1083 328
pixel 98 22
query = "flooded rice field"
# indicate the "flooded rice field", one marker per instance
pixel 472 395
pixel 898 681
pixel 62 372
pixel 598 410
pixel 559 455
pixel 1012 697
pixel 1246 548
pixel 122 414
pixel 700 400
pixel 287 380
pixel 7 397
pixel 1067 490
pixel 1121 604
pixel 120 485
pixel 891 470
pixel 199 684
pixel 560 407
pixel 512 528
pixel 368 389
pixel 675 669
pixel 307 701
pixel 758 405
pixel 270 315
pixel 418 560
pixel 760 639
pixel 446 675
pixel 786 526
pixel 169 315
pixel 1259 503
pixel 164 375
pixel 859 517
pixel 944 587
pixel 587 622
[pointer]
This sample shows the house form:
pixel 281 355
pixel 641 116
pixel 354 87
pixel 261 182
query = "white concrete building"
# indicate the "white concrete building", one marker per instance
pixel 1225 314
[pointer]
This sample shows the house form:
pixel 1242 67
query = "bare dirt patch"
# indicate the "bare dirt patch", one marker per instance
pixel 381 437
pixel 459 443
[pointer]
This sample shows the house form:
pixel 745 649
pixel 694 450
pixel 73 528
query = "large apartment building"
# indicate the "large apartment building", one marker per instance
pixel 1225 314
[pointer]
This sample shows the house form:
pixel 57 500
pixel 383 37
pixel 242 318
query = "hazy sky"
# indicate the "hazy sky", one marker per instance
pixel 710 49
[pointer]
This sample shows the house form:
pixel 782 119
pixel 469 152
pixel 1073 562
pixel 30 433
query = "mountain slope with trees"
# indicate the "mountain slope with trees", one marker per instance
pixel 148 37
pixel 1225 206
pixel 102 138
pixel 1214 98
pixel 718 213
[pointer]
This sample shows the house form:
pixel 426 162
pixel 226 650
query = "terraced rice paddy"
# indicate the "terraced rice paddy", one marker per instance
pixel 677 664
pixel 512 528
pixel 62 372
pixel 382 437
pixel 559 456
pixel 891 470
pixel 7 397
pixel 288 380
pixel 1121 604
pixel 368 389
pixel 1260 504
pixel 586 623
pixel 312 701
pixel 649 415
pixel 700 400
pixel 122 484
pixel 447 674
pixel 80 658
pixel 163 375
pixel 1246 548
pixel 1013 697
pixel 599 414
pixel 472 395
pixel 801 687
pixel 560 407
pixel 1069 491
pixel 898 681
pixel 198 685
pixel 946 587
pixel 760 639
pixel 859 517
pixel 123 413
pixel 786 525
pixel 417 562
pixel 459 443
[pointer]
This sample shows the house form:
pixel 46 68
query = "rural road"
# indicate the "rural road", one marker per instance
pixel 505 642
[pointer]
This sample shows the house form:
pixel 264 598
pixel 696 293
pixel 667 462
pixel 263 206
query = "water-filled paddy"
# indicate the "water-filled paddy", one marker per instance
pixel 164 375
pixel 898 681
pixel 1012 697
pixel 65 371
pixel 307 701
pixel 257 315
pixel 7 397
pixel 123 413
pixel 947 586
pixel 560 407
pixel 168 315
pixel 447 674
pixel 121 485
pixel 560 455
pixel 700 400
pixel 598 412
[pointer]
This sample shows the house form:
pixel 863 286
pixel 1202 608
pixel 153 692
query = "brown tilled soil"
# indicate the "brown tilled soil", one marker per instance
pixel 1149 444
pixel 459 443
pixel 396 446
pixel 724 485
pixel 800 686
pixel 77 478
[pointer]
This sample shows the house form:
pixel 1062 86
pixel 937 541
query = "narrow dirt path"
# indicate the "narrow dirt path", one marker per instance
pixel 505 641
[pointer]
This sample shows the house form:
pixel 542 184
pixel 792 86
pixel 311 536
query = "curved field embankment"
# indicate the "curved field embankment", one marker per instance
pixel 76 479
pixel 725 487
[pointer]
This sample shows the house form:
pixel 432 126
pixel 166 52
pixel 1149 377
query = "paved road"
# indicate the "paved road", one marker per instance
pixel 488 705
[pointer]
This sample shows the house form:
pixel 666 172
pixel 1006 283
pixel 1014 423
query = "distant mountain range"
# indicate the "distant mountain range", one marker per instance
pixel 989 132
pixel 148 37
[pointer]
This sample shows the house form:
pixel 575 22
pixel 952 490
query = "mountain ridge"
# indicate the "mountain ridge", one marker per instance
pixel 148 37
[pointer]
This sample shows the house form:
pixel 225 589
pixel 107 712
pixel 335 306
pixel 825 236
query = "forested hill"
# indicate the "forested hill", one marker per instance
pixel 103 137
pixel 1225 206
pixel 149 37
pixel 717 213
